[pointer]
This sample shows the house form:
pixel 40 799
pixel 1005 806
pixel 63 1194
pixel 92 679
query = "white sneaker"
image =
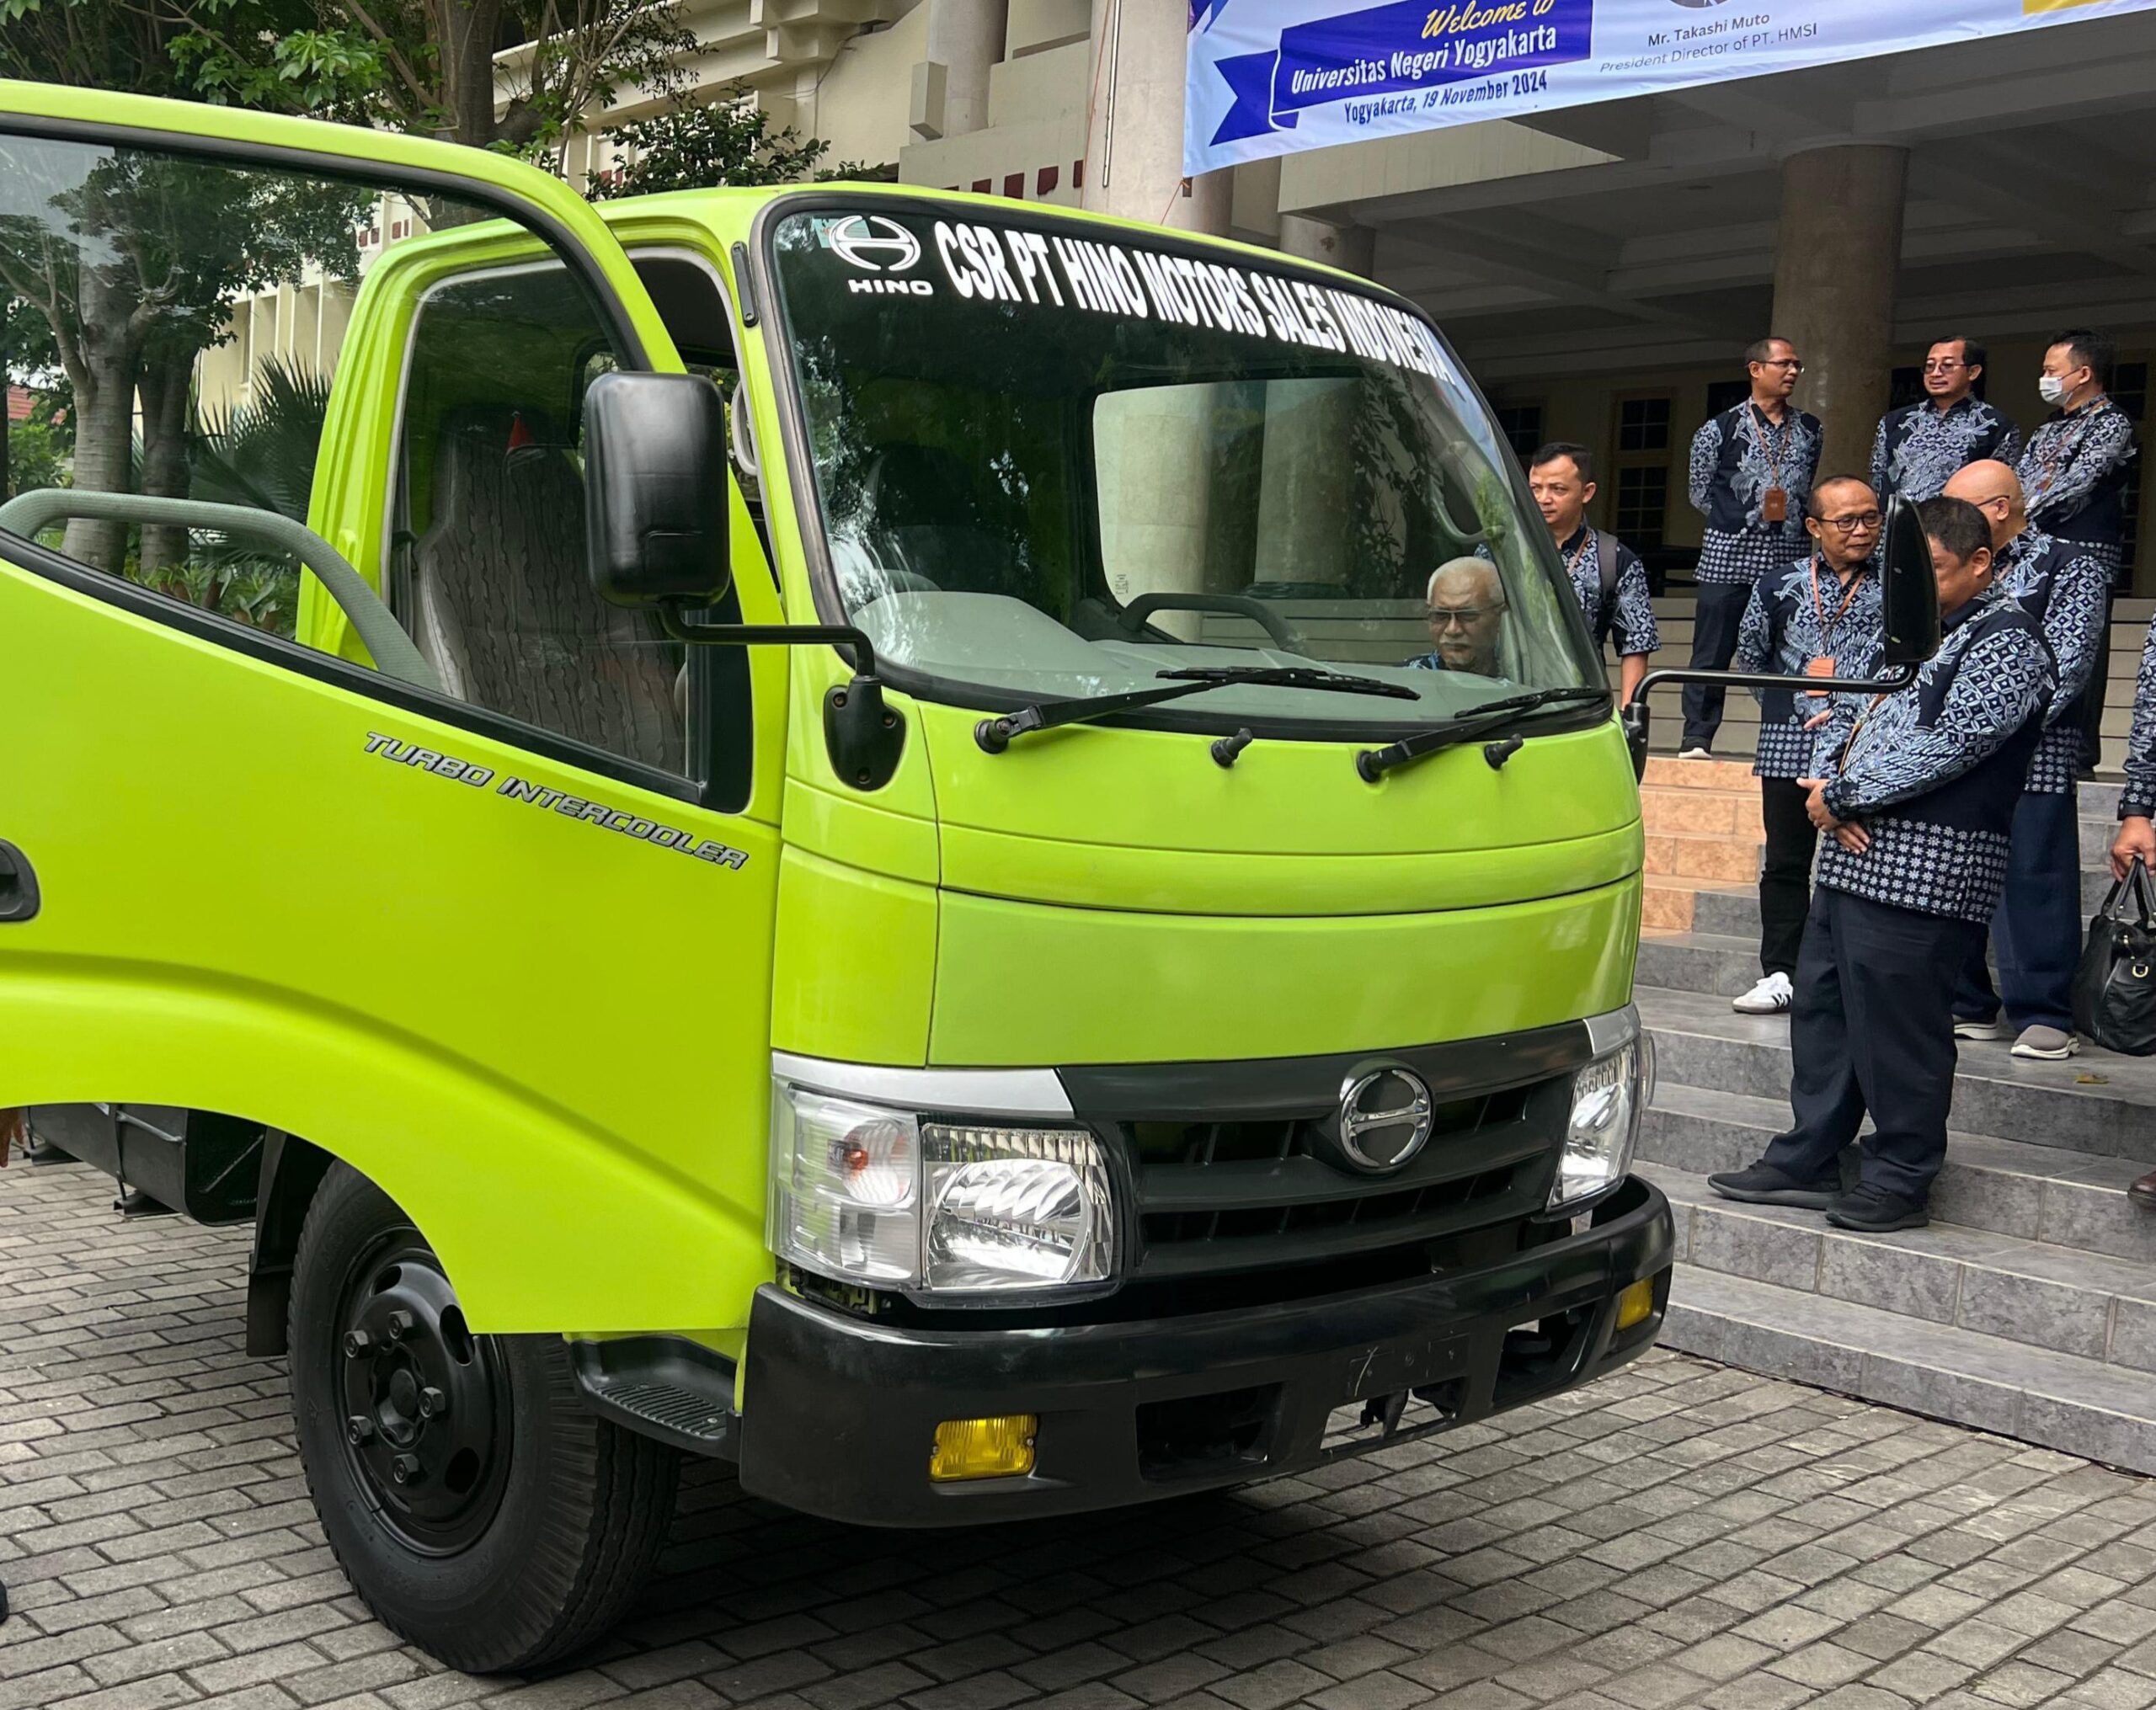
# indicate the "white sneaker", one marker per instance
pixel 1694 754
pixel 1772 996
pixel 1994 1029
pixel 2047 1044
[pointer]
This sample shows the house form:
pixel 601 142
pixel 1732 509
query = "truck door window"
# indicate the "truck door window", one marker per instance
pixel 398 370
pixel 490 538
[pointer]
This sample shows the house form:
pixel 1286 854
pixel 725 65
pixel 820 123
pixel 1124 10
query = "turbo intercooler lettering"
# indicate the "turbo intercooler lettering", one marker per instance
pixel 650 831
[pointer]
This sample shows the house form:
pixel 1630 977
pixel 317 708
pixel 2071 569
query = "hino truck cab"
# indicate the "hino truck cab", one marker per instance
pixel 969 855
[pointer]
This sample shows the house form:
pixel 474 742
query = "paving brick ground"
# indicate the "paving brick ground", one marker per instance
pixel 1681 1534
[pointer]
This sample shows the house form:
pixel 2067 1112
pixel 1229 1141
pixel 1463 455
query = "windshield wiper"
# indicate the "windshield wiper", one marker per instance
pixel 993 734
pixel 1486 720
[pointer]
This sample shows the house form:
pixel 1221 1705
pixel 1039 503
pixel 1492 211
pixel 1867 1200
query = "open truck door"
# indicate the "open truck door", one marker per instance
pixel 355 815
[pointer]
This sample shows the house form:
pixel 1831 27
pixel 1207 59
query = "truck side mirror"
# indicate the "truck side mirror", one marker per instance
pixel 1908 591
pixel 655 481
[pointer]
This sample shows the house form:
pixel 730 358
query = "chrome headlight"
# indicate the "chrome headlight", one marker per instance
pixel 862 1193
pixel 1609 1095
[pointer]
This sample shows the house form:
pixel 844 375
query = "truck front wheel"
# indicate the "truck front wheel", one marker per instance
pixel 479 1508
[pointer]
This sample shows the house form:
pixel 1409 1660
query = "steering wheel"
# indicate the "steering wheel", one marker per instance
pixel 1132 618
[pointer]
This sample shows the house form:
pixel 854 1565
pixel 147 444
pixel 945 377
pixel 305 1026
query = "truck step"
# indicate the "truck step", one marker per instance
pixel 2058 1400
pixel 2065 1199
pixel 2099 1308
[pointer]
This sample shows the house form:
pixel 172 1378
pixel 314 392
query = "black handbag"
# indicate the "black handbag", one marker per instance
pixel 2114 988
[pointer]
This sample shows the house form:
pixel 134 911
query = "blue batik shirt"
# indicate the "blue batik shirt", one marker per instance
pixel 1631 620
pixel 2138 801
pixel 1918 448
pixel 1932 771
pixel 2073 473
pixel 1737 457
pixel 1786 624
pixel 2067 589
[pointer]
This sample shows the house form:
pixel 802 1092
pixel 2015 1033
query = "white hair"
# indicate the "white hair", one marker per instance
pixel 1481 565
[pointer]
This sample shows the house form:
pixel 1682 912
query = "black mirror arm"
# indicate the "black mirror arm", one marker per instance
pixel 863 734
pixel 1637 718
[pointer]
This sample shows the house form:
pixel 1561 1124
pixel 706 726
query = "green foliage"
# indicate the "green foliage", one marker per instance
pixel 727 145
pixel 36 456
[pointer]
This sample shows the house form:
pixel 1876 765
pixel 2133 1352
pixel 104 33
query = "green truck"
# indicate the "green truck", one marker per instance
pixel 969 856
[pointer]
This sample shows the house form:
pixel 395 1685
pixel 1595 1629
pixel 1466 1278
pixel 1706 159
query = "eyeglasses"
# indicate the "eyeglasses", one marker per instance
pixel 1464 616
pixel 1851 524
pixel 1790 362
pixel 1947 367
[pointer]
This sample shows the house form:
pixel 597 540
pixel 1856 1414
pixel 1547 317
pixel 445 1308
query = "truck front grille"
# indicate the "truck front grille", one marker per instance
pixel 1233 1195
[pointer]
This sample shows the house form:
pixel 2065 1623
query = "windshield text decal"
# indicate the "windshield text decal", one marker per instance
pixel 1000 264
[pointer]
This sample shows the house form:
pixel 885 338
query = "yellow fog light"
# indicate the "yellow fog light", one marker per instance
pixel 984 1448
pixel 1634 1306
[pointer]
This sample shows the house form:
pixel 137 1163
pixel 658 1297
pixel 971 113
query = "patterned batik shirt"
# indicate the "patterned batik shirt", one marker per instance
pixel 1737 457
pixel 1918 448
pixel 2138 801
pixel 2067 588
pixel 1932 771
pixel 1631 622
pixel 1785 624
pixel 2073 474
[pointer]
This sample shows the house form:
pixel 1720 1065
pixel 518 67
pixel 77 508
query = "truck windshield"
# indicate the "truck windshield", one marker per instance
pixel 1050 462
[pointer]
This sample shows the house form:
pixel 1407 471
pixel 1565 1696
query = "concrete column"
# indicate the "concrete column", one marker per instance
pixel 1838 250
pixel 1306 489
pixel 1349 247
pixel 950 86
pixel 1133 136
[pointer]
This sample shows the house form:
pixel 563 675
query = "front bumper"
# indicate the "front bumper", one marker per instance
pixel 840 1413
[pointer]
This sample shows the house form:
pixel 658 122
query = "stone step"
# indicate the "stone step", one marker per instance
pixel 1733 910
pixel 2086 1304
pixel 1699 962
pixel 1731 814
pixel 1717 860
pixel 2096 1103
pixel 2058 1400
pixel 2072 1200
pixel 1671 772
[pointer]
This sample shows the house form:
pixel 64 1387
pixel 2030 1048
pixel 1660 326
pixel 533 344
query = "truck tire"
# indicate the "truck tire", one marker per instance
pixel 479 1509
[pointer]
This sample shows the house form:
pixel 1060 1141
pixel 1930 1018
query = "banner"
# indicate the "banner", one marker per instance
pixel 1270 76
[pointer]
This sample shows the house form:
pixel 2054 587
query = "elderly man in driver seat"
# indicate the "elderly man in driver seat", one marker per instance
pixel 1467 611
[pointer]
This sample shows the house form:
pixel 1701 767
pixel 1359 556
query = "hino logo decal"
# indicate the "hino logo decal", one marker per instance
pixel 1386 1118
pixel 874 244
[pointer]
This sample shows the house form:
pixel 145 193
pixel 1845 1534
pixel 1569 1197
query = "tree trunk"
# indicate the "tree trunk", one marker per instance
pixel 164 384
pixel 105 415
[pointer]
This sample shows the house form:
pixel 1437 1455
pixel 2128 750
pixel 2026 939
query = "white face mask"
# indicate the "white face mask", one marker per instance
pixel 2051 389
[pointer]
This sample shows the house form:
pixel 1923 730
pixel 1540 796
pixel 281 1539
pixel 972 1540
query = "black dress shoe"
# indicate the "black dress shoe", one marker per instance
pixel 2143 1193
pixel 1875 1211
pixel 1762 1185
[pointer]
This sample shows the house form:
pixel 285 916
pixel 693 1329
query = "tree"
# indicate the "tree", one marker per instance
pixel 727 144
pixel 429 67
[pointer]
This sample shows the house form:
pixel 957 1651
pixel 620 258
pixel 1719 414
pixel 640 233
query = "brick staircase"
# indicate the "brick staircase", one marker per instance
pixel 2028 1307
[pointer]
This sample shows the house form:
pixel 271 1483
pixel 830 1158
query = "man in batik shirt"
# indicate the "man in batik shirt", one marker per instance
pixel 1607 575
pixel 1751 468
pixel 1919 447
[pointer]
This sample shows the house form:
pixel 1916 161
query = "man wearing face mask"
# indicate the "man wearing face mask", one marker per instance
pixel 2073 474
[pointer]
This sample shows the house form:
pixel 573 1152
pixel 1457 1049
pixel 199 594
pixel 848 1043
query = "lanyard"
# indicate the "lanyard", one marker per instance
pixel 1776 443
pixel 2056 450
pixel 1579 552
pixel 1819 606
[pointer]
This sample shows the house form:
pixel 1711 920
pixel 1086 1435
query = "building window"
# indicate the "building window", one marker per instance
pixel 1522 427
pixel 1642 500
pixel 1726 395
pixel 1639 469
pixel 1643 424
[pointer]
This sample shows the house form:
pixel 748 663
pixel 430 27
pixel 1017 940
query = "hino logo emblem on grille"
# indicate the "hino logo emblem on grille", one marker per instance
pixel 1385 1118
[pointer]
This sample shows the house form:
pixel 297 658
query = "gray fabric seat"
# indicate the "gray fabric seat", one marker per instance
pixel 503 607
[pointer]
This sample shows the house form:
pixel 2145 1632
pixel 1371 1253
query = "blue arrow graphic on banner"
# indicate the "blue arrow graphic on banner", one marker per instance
pixel 1394 50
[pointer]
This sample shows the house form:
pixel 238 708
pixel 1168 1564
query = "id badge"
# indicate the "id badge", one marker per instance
pixel 1821 666
pixel 1773 505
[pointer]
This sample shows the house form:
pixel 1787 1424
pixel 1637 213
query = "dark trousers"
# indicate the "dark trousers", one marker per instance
pixel 1872 1029
pixel 2087 714
pixel 2037 930
pixel 1715 622
pixel 1784 873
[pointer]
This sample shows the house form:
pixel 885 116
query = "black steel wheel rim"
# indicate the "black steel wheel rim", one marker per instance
pixel 424 1402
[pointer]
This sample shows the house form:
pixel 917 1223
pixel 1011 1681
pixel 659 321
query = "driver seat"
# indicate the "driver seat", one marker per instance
pixel 503 608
